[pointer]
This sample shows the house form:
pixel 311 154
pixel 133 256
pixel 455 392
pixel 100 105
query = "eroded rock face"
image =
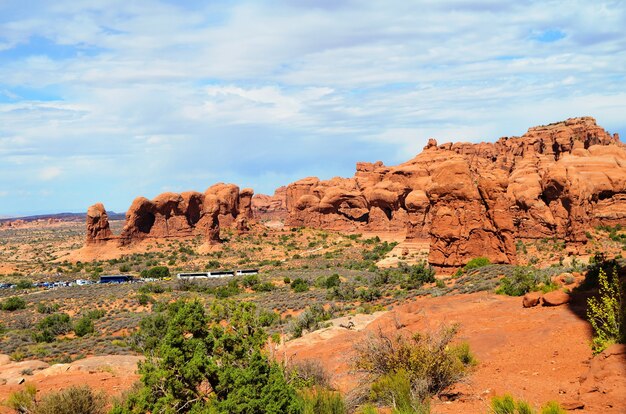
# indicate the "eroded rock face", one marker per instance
pixel 267 207
pixel 475 199
pixel 187 214
pixel 98 229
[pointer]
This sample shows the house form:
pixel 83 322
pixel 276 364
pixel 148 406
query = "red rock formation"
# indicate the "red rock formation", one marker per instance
pixel 98 224
pixel 475 199
pixel 274 207
pixel 187 214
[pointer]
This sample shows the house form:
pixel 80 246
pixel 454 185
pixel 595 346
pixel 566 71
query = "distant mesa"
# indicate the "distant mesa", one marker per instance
pixel 468 200
pixel 173 215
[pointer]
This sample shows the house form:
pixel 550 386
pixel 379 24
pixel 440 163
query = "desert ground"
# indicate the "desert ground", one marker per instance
pixel 539 354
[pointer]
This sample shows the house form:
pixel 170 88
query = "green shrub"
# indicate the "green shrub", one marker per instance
pixel 396 391
pixel 307 373
pixel 84 326
pixel 43 307
pixel 72 400
pixel 332 281
pixel 250 281
pixel 417 275
pixel 552 407
pixel 156 272
pixel 323 401
pixel 476 262
pixel 95 314
pixel 522 281
pixel 200 365
pixel 23 401
pixel 264 287
pixel 13 303
pixel 607 312
pixel 51 326
pixel 144 299
pixel 151 288
pixel 367 409
pixel 503 405
pixel 431 362
pixel 286 280
pixel 299 285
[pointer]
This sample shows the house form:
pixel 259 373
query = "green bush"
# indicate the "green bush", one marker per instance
pixel 51 326
pixel 431 361
pixel 156 272
pixel 323 401
pixel 72 400
pixel 24 284
pixel 607 312
pixel 264 287
pixel 144 299
pixel 23 401
pixel 299 285
pixel 84 326
pixel 43 307
pixel 476 262
pixel 524 280
pixel 332 281
pixel 552 407
pixel 151 288
pixel 13 303
pixel 417 275
pixel 250 281
pixel 396 391
pixel 200 365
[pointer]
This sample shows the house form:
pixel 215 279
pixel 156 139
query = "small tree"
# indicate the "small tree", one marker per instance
pixel 606 312
pixel 200 365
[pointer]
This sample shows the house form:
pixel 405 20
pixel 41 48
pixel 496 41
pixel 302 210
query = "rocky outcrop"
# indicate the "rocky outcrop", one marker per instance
pixel 172 215
pixel 98 229
pixel 474 200
pixel 265 207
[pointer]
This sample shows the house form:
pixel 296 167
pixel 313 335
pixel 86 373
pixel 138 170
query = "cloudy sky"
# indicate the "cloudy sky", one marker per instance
pixel 107 100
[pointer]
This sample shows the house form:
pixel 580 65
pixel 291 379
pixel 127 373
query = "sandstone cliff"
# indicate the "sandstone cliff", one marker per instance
pixel 172 215
pixel 274 207
pixel 476 199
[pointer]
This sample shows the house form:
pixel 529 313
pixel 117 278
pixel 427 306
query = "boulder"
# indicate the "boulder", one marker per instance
pixel 531 299
pixel 555 298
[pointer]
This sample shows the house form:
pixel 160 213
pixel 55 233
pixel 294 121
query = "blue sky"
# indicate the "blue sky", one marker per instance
pixel 108 100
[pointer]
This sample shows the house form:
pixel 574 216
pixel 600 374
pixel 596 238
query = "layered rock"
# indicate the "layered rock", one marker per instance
pixel 98 229
pixel 172 215
pixel 475 199
pixel 273 207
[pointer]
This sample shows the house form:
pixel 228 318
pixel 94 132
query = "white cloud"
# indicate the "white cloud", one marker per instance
pixel 49 173
pixel 115 90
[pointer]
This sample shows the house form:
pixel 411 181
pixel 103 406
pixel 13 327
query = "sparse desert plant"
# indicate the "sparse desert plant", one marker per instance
pixel 323 401
pixel 552 407
pixel 72 400
pixel 43 307
pixel 307 373
pixel 13 303
pixel 606 313
pixel 23 401
pixel 430 360
pixel 396 390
